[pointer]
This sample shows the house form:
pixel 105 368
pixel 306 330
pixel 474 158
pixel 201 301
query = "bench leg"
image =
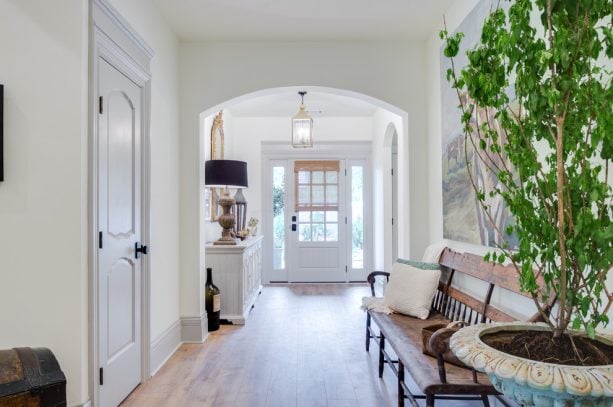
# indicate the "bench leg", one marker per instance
pixel 381 355
pixel 486 401
pixel 429 400
pixel 400 382
pixel 367 331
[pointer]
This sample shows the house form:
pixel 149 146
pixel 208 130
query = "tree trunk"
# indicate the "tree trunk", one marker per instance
pixel 560 325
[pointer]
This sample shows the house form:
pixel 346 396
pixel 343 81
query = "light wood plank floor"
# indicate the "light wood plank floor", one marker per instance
pixel 303 345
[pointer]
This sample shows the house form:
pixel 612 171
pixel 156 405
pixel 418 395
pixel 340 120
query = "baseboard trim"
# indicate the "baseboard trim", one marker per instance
pixel 88 403
pixel 194 329
pixel 164 346
pixel 235 319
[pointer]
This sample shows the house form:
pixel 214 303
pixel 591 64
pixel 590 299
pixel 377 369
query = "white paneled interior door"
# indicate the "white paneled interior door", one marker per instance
pixel 119 220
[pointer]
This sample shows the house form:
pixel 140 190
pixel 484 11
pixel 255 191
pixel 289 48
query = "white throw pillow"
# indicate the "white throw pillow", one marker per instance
pixel 410 290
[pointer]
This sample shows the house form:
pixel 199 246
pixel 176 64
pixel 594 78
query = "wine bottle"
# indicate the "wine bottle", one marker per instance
pixel 212 301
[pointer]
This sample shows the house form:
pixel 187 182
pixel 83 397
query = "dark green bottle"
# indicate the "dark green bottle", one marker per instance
pixel 212 301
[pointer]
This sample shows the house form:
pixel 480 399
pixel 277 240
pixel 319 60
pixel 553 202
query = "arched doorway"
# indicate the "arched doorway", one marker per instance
pixel 385 113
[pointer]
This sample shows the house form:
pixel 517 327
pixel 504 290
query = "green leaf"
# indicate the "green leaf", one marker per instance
pixel 576 323
pixel 590 331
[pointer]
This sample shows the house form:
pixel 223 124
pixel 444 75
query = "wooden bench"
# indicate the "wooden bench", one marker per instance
pixel 435 378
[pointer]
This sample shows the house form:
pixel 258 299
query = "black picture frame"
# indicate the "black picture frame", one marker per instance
pixel 1 132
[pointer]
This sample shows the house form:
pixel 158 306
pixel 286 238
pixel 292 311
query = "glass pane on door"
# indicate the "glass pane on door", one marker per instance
pixel 317 190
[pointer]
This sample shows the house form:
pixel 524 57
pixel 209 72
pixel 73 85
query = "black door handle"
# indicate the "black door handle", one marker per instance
pixel 141 249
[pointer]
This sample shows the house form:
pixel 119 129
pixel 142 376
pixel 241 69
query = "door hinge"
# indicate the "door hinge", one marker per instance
pixel 100 240
pixel 101 376
pixel 100 104
pixel 392 221
pixel 345 220
pixel 345 171
pixel 392 172
pixel 346 268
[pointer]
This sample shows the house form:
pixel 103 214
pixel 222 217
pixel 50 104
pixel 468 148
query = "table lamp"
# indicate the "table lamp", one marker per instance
pixel 226 174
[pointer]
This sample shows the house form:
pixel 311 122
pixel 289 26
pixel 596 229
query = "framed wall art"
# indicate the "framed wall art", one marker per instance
pixel 217 153
pixel 464 219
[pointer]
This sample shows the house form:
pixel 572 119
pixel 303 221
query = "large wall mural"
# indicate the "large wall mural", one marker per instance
pixel 463 217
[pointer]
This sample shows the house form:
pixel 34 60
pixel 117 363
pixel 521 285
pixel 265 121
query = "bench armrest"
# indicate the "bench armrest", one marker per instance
pixel 439 341
pixel 439 345
pixel 372 278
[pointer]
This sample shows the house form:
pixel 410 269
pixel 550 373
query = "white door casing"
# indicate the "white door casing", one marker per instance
pixel 119 222
pixel 118 162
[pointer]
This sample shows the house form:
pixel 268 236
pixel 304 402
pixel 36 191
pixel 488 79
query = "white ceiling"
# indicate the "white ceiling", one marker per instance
pixel 286 104
pixel 200 20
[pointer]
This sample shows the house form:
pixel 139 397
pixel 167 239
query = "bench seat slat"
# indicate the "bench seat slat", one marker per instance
pixel 403 334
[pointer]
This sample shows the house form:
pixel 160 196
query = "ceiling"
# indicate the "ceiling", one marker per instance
pixel 286 104
pixel 302 20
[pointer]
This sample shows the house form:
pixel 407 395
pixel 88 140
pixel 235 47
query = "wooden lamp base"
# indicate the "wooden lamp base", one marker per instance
pixel 226 220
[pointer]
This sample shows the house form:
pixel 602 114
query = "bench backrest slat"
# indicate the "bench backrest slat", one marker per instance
pixel 495 314
pixel 457 305
pixel 466 299
pixel 474 266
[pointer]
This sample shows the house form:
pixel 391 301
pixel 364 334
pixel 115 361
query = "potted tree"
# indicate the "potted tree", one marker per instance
pixel 548 148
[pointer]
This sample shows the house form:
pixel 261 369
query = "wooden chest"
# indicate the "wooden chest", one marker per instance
pixel 31 378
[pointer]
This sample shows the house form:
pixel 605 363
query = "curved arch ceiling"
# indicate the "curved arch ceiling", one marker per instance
pixel 319 104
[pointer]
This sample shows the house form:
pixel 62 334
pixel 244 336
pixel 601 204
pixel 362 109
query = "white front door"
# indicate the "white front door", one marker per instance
pixel 119 220
pixel 317 223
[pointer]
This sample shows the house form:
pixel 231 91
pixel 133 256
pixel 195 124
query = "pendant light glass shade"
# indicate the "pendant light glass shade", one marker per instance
pixel 302 127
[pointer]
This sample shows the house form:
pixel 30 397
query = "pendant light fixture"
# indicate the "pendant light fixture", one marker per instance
pixel 302 127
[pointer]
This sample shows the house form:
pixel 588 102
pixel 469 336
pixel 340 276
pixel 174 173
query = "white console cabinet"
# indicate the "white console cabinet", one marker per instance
pixel 237 271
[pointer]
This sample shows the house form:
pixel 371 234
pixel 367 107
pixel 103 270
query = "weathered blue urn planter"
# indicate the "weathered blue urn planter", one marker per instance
pixel 529 382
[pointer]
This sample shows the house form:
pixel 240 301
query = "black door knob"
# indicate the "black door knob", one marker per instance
pixel 139 249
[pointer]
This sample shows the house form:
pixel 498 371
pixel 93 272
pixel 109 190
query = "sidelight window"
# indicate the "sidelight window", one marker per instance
pixel 357 216
pixel 278 222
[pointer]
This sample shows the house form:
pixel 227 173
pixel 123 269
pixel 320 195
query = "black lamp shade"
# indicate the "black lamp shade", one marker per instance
pixel 222 173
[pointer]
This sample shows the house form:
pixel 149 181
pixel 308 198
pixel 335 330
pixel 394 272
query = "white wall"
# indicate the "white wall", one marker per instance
pixel 43 200
pixel 212 73
pixel 147 21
